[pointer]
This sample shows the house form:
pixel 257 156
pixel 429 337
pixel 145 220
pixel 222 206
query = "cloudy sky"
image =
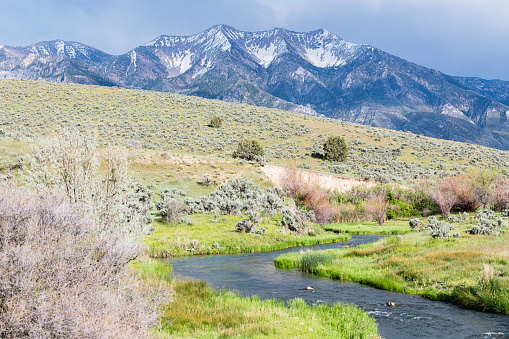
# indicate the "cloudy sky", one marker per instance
pixel 457 37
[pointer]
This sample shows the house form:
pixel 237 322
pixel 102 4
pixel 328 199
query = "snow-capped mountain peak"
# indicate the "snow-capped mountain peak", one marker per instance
pixel 321 48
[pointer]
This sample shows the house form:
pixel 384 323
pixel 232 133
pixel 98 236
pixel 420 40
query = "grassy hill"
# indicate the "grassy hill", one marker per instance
pixel 159 126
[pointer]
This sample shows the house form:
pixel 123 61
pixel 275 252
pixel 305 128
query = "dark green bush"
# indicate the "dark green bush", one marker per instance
pixel 249 150
pixel 335 149
pixel 216 122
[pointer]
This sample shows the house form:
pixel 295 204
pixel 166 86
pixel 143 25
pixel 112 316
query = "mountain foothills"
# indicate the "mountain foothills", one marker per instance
pixel 315 73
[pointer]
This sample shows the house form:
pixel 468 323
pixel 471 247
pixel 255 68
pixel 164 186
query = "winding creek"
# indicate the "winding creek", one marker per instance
pixel 413 317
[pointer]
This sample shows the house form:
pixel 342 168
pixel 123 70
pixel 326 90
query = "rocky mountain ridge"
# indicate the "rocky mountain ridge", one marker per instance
pixel 314 73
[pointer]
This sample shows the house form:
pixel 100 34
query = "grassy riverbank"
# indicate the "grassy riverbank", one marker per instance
pixel 206 235
pixel 198 311
pixel 391 227
pixel 471 271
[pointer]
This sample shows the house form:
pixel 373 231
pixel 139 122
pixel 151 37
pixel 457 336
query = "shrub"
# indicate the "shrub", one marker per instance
pixel 443 195
pixel 61 279
pixel 483 181
pixel 261 160
pixel 248 150
pixel 415 223
pixel 488 223
pixel 501 194
pixel 216 122
pixel 70 164
pixel 298 221
pixel 335 149
pixel 308 195
pixel 439 229
pixel 171 207
pixel 376 207
pixel 208 181
pixel 462 217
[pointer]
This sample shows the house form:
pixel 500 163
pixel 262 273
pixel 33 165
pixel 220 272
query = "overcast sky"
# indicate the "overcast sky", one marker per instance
pixel 457 37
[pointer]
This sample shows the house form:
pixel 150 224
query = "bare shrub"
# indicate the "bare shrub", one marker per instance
pixel 501 194
pixel 376 207
pixel 308 194
pixel 71 164
pixel 462 187
pixel 443 194
pixel 58 279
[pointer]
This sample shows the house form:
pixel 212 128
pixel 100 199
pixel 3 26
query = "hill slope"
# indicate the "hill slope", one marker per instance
pixel 170 123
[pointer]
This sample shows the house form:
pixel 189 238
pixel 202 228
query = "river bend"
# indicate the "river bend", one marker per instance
pixel 413 317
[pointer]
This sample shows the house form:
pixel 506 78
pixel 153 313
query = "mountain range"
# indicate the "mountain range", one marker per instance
pixel 315 73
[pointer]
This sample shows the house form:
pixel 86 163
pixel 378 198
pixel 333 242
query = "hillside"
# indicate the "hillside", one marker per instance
pixel 315 73
pixel 169 134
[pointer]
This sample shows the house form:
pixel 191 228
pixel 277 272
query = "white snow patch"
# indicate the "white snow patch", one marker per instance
pixel 39 50
pixel 133 58
pixel 330 54
pixel 265 55
pixel 60 46
pixel 82 49
pixel 70 51
pixel 454 112
pixel 200 72
pixel 178 62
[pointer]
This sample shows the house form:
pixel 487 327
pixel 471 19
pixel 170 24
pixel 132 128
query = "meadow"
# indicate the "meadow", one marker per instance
pixel 469 270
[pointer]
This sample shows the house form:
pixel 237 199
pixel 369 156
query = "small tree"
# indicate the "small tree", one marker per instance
pixel 248 149
pixel 216 122
pixel 335 149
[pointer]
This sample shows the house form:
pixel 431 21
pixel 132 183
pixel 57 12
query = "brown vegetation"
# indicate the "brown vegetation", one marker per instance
pixel 376 207
pixel 309 194
pixel 58 279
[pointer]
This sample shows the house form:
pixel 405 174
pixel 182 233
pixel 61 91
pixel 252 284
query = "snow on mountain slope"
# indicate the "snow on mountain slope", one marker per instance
pixel 320 48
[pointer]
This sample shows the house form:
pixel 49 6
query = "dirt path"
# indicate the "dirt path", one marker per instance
pixel 331 182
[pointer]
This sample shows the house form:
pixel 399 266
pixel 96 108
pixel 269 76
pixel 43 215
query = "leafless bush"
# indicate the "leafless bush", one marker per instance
pixel 71 164
pixel 59 280
pixel 483 184
pixel 376 207
pixel 501 194
pixel 443 195
pixel 308 194
pixel 466 198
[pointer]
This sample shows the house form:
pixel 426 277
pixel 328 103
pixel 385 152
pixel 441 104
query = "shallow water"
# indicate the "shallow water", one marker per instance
pixel 413 316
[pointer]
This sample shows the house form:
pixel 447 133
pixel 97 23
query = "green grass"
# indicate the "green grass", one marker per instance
pixel 471 271
pixel 199 311
pixel 391 227
pixel 206 236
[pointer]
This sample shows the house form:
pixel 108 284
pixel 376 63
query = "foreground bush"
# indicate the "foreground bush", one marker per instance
pixel 74 166
pixel 59 279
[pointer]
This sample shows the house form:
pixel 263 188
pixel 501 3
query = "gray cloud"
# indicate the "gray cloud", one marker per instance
pixel 458 37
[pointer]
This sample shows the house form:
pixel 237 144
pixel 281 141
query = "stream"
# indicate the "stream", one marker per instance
pixel 413 316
